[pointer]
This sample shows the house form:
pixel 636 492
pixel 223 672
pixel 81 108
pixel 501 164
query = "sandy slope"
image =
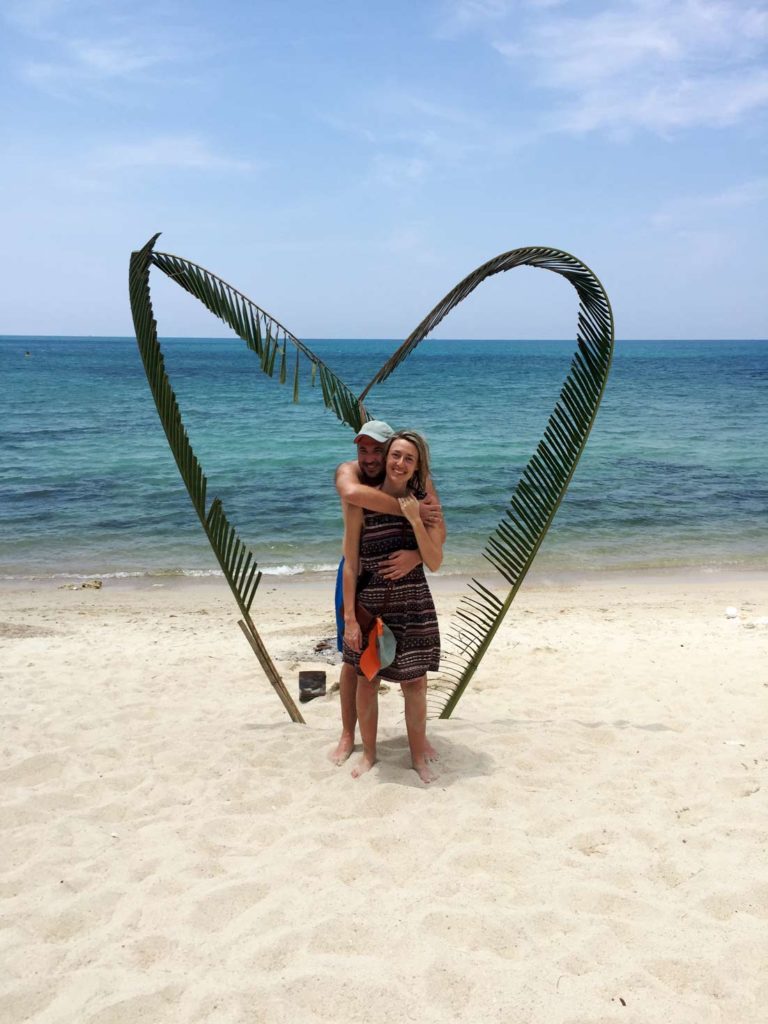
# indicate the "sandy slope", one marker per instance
pixel 595 849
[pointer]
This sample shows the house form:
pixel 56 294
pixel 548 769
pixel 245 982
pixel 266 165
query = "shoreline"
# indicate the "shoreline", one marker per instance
pixel 537 579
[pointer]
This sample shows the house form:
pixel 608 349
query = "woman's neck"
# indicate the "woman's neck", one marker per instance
pixel 394 490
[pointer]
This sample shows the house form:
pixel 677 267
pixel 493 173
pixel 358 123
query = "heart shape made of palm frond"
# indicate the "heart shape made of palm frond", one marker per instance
pixel 511 547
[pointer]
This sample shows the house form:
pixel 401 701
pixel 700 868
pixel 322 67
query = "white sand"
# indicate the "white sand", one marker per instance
pixel 174 849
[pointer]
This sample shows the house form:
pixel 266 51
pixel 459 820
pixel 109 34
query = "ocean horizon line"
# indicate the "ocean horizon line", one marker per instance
pixel 352 338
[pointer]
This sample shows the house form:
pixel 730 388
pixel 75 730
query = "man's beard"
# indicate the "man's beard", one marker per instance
pixel 371 481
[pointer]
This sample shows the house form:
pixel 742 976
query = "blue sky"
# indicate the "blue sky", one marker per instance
pixel 346 163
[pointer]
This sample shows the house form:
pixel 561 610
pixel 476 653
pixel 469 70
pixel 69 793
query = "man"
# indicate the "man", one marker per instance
pixel 356 482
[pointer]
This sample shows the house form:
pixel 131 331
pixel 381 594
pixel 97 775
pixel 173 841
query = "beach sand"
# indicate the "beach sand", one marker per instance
pixel 595 849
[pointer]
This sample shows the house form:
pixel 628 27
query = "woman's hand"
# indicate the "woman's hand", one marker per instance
pixel 410 509
pixel 353 636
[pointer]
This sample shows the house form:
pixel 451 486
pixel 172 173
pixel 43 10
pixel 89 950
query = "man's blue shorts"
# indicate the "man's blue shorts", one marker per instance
pixel 339 603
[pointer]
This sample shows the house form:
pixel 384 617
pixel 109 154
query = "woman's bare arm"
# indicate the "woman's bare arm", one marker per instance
pixel 431 510
pixel 429 538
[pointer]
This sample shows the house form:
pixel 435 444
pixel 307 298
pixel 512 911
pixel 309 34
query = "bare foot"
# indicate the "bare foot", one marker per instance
pixel 344 748
pixel 430 754
pixel 424 772
pixel 363 765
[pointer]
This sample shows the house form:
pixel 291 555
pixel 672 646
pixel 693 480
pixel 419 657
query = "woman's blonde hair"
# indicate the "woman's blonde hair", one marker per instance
pixel 418 481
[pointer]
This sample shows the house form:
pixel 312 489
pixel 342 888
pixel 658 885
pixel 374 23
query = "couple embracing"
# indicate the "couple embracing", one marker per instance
pixel 393 527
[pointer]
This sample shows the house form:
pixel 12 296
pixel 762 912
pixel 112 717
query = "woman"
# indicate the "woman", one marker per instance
pixel 405 604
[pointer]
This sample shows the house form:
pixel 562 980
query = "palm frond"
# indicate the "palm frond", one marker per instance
pixel 513 545
pixel 262 333
pixel 236 560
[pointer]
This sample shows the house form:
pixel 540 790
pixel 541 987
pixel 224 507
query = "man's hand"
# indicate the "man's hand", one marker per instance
pixel 398 564
pixel 431 511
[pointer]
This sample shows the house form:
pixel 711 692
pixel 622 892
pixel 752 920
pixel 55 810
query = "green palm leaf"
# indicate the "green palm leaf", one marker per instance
pixel 263 335
pixel 513 545
pixel 236 560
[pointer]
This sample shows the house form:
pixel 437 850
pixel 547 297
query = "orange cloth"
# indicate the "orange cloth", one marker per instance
pixel 370 662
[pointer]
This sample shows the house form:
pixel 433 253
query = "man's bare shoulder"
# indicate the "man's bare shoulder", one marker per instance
pixel 348 469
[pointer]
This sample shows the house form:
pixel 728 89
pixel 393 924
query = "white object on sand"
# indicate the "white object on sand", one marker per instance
pixel 731 612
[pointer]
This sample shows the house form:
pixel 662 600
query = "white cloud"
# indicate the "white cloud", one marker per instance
pixel 115 57
pixel 462 15
pixel 409 134
pixel 394 171
pixel 682 103
pixel 653 64
pixel 84 61
pixel 180 151
pixel 35 15
pixel 687 210
pixel 347 126
pixel 69 46
pixel 411 240
pixel 408 103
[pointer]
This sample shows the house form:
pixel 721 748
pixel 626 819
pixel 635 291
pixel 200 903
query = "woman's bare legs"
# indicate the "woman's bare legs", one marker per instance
pixel 368 721
pixel 415 694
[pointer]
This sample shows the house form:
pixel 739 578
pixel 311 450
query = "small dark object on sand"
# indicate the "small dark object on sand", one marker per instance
pixel 88 585
pixel 311 685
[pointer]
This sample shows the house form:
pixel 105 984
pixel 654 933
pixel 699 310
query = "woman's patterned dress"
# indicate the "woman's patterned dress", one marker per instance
pixel 409 610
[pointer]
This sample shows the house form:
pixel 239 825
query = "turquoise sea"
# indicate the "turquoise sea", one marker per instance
pixel 675 473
